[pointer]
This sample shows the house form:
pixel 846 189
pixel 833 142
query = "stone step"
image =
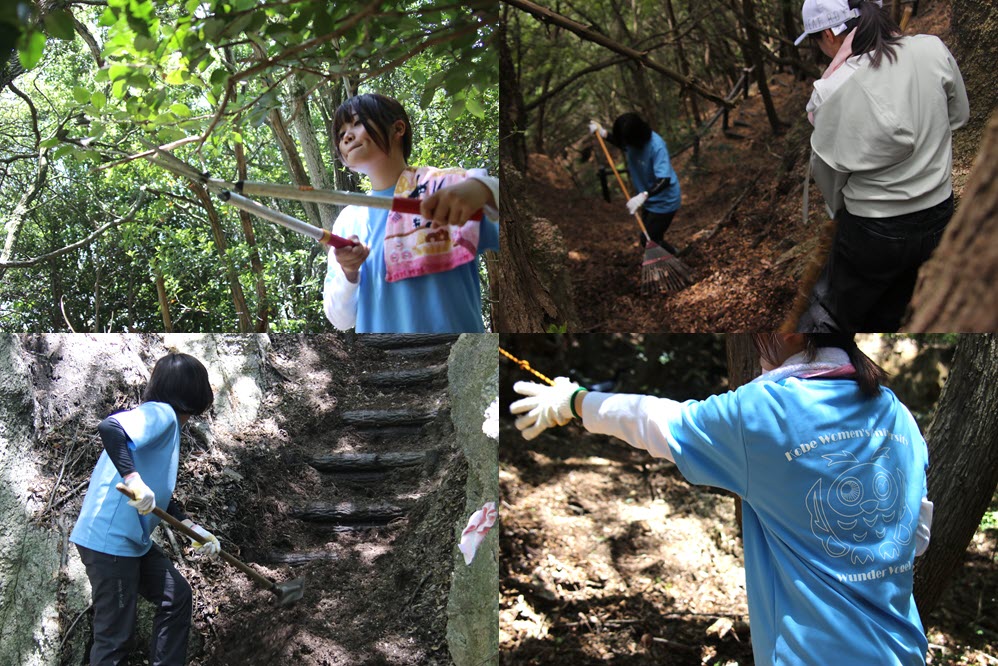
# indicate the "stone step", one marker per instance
pixel 387 418
pixel 366 463
pixel 411 377
pixel 350 513
pixel 296 559
pixel 402 340
pixel 416 353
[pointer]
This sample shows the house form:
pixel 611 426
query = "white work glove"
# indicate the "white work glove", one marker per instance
pixel 209 543
pixel 596 127
pixel 545 406
pixel 636 202
pixel 144 498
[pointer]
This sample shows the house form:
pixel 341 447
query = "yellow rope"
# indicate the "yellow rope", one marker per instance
pixel 524 365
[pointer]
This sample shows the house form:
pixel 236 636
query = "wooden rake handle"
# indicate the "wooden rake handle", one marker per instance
pixel 623 188
pixel 179 526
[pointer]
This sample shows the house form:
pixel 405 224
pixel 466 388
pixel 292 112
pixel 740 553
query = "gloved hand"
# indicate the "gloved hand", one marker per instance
pixel 636 202
pixel 209 543
pixel 144 498
pixel 595 127
pixel 545 406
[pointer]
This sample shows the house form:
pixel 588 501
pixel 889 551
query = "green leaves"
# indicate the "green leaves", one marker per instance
pixel 59 24
pixel 30 48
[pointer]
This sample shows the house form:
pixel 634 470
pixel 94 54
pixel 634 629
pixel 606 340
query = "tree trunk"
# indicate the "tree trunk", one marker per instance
pixel 963 463
pixel 164 302
pixel 329 100
pixel 974 26
pixel 684 65
pixel 531 300
pixel 532 276
pixel 302 119
pixel 262 307
pixel 512 141
pixel 289 152
pixel 235 287
pixel 743 367
pixel 13 224
pixel 755 58
pixel 956 286
pixel 789 12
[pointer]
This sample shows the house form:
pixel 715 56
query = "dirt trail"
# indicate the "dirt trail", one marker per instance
pixel 356 490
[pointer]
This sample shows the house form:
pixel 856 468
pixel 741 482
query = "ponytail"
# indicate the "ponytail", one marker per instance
pixel 869 375
pixel 876 33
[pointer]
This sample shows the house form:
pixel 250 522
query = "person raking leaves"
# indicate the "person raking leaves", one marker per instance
pixel 830 467
pixel 141 448
pixel 410 274
pixel 648 164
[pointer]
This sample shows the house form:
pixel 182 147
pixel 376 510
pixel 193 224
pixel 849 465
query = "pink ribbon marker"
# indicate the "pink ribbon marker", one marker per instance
pixel 478 526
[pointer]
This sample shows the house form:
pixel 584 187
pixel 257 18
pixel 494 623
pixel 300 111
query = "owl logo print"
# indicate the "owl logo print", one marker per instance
pixel 863 511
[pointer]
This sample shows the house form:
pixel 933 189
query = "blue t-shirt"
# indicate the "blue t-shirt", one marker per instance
pixel 107 523
pixel 650 164
pixel 447 302
pixel 832 484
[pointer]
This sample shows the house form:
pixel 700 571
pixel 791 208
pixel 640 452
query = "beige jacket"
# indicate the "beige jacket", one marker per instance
pixel 882 140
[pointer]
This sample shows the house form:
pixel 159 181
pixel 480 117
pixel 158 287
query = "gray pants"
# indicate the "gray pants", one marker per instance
pixel 117 582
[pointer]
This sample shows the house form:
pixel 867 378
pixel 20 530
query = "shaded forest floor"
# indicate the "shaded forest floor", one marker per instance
pixel 610 557
pixel 739 230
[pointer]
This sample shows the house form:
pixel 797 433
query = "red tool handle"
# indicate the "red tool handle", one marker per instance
pixel 411 207
pixel 329 238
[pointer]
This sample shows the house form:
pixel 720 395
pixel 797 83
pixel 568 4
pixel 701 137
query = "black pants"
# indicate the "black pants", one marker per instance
pixel 871 271
pixel 657 224
pixel 117 582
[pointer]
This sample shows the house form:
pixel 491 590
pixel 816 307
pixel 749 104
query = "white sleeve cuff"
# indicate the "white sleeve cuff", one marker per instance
pixel 491 182
pixel 339 296
pixel 640 420
pixel 924 530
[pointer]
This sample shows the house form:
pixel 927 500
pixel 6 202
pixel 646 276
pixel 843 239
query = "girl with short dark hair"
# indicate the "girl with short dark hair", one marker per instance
pixel 830 467
pixel 141 450
pixel 648 163
pixel 410 274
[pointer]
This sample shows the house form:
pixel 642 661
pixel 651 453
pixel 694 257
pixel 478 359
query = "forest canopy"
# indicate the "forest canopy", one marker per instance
pixel 244 90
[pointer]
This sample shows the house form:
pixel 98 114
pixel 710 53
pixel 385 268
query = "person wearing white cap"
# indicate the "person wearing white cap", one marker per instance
pixel 883 114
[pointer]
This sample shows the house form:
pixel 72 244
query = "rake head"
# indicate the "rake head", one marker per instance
pixel 661 271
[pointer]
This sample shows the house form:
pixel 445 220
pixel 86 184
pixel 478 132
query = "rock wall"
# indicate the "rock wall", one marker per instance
pixel 29 553
pixel 473 605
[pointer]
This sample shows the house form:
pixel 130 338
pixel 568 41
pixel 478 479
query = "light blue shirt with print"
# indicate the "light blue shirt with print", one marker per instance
pixel 832 484
pixel 107 523
pixel 446 302
pixel 650 164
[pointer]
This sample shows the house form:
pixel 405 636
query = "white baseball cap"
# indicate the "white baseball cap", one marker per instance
pixel 827 14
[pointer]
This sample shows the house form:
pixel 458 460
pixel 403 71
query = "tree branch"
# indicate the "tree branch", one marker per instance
pixel 548 16
pixel 80 243
pixel 530 106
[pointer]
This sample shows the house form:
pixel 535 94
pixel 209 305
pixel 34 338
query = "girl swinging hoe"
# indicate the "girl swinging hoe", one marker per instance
pixel 410 273
pixel 830 467
pixel 114 534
